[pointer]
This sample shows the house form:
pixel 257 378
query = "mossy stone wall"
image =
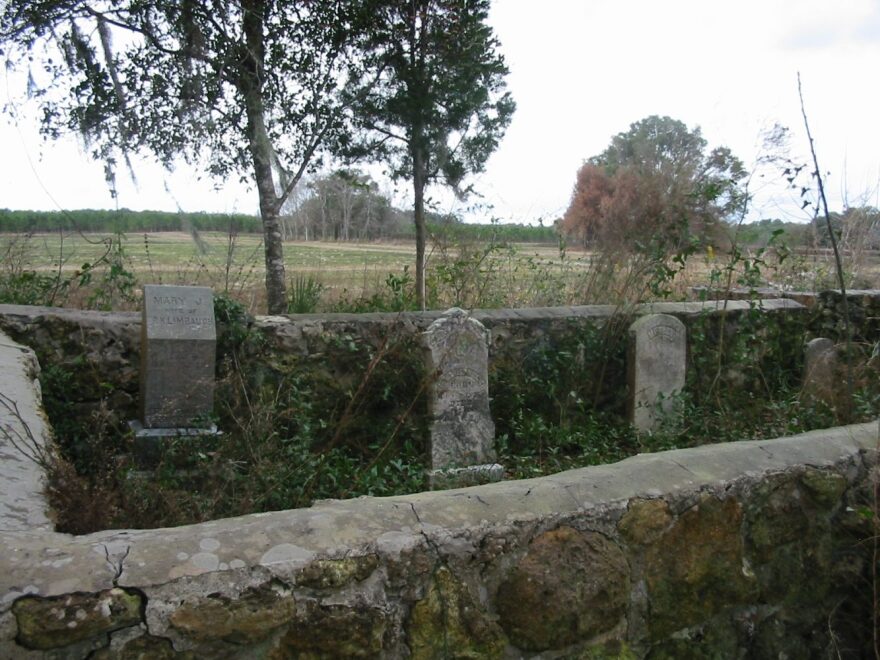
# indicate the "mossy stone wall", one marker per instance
pixel 753 549
pixel 91 360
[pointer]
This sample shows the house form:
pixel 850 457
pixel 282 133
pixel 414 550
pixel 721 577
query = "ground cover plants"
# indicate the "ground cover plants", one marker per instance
pixel 351 419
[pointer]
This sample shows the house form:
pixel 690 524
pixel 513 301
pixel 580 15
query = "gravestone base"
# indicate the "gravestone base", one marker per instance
pixel 472 475
pixel 150 444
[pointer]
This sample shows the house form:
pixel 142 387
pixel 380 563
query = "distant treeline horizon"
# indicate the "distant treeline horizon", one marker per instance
pixel 128 221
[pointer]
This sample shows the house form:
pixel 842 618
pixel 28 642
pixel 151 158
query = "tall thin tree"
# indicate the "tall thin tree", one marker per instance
pixel 440 106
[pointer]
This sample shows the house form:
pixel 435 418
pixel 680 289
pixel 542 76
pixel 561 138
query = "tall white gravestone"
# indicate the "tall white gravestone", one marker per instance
pixel 462 431
pixel 656 369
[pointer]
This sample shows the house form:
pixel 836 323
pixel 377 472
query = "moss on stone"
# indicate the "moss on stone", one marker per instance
pixel 50 623
pixel 696 570
pixel 644 520
pixel 775 516
pixel 145 647
pixel 718 639
pixel 788 536
pixel 570 587
pixel 612 650
pixel 778 638
pixel 826 488
pixel 448 623
pixel 335 573
pixel 244 620
pixel 333 631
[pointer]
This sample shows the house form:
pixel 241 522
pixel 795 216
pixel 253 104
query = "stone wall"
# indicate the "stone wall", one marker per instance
pixel 102 349
pixel 751 549
pixel 826 317
pixel 864 313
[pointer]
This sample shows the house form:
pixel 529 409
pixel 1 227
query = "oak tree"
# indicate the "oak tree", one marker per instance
pixel 655 183
pixel 248 87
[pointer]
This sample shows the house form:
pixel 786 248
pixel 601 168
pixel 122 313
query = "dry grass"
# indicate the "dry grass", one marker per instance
pixel 526 275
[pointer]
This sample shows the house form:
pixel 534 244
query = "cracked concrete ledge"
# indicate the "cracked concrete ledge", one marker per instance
pixel 233 555
pixel 48 563
pixel 24 436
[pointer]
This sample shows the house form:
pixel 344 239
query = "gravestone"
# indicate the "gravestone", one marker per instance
pixel 656 366
pixel 178 344
pixel 462 431
pixel 822 380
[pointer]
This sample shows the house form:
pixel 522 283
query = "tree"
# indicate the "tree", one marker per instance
pixel 248 87
pixel 347 203
pixel 655 184
pixel 858 227
pixel 439 107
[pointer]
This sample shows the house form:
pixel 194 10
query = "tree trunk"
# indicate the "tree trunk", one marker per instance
pixel 419 178
pixel 251 86
pixel 250 83
pixel 276 285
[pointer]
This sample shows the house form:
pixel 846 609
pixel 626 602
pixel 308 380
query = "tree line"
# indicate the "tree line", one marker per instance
pixel 297 225
pixel 124 221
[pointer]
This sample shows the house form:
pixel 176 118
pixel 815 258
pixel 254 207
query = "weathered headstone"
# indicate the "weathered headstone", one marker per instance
pixel 462 431
pixel 178 344
pixel 822 371
pixel 657 364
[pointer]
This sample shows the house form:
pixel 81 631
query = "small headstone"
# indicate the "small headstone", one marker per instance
pixel 822 371
pixel 462 431
pixel 178 344
pixel 657 365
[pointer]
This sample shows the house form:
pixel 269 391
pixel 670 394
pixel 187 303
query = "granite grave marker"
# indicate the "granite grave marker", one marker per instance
pixel 178 343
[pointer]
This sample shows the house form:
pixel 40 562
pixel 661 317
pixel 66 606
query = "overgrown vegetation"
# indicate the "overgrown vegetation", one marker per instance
pixel 295 429
pixel 350 418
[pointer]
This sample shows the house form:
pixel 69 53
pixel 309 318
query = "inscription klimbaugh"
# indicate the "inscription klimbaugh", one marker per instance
pixel 188 314
pixel 181 319
pixel 664 333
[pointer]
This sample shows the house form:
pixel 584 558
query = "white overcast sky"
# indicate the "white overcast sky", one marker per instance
pixel 582 71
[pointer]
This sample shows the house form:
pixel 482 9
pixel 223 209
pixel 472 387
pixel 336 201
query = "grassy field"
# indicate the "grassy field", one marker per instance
pixel 469 274
pixel 235 264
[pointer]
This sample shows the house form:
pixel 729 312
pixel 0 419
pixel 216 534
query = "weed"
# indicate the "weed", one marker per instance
pixel 111 278
pixel 304 295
